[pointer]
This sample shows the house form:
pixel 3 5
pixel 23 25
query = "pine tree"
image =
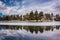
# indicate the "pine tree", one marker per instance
pixel 36 16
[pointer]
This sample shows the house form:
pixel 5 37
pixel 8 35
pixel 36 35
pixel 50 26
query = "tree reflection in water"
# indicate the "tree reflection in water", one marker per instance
pixel 32 29
pixel 57 27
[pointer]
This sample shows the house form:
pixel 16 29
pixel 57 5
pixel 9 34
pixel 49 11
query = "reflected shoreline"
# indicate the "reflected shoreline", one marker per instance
pixel 32 29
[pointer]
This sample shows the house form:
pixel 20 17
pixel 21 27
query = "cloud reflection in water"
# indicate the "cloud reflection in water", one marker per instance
pixel 23 34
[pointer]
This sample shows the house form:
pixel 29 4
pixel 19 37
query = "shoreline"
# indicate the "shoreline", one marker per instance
pixel 23 23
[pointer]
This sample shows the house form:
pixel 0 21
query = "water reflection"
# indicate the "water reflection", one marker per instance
pixel 29 32
pixel 32 29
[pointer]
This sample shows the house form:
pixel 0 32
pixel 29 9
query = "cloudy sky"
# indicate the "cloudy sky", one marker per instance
pixel 25 6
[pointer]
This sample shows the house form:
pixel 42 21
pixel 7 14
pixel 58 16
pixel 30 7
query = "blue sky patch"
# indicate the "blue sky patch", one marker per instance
pixel 11 2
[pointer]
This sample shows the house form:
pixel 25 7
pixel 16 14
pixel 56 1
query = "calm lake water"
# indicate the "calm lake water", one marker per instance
pixel 29 32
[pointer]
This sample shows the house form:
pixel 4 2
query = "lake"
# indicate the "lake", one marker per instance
pixel 10 32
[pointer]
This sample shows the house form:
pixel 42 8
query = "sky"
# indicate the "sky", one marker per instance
pixel 13 7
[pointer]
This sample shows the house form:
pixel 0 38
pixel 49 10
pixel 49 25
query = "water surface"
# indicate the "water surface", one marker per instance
pixel 29 32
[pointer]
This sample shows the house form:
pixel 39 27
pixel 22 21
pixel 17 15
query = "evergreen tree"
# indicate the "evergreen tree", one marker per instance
pixel 36 16
pixel 40 15
pixel 48 16
pixel 31 16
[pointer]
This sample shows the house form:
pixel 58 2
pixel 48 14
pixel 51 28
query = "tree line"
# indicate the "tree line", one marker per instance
pixel 32 16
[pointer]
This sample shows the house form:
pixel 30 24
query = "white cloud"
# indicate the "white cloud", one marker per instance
pixel 46 7
pixel 9 10
pixel 29 5
pixel 1 4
